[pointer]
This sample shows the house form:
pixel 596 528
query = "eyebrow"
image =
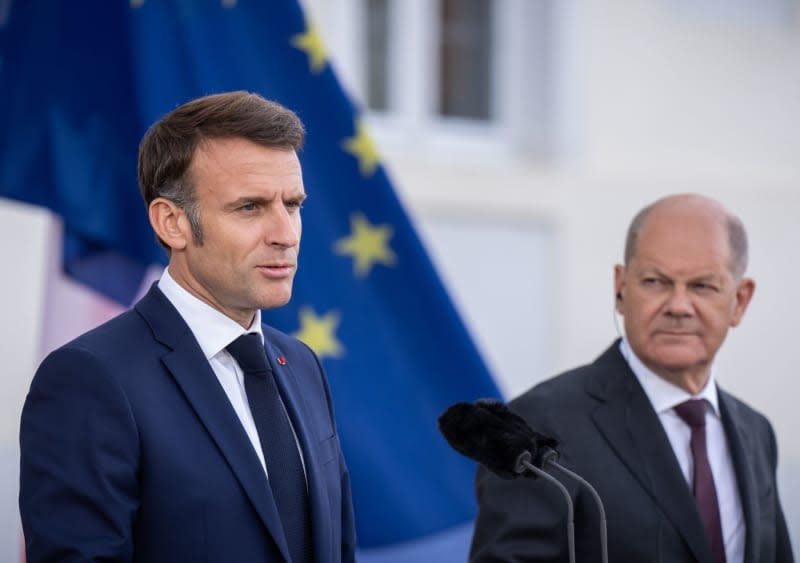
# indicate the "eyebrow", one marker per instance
pixel 301 196
pixel 654 270
pixel 707 278
pixel 245 200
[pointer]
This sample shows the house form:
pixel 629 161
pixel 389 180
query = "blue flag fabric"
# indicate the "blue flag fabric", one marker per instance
pixel 79 84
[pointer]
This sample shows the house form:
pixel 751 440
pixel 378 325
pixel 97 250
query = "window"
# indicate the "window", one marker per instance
pixel 377 54
pixel 462 53
pixel 465 50
pixel 457 75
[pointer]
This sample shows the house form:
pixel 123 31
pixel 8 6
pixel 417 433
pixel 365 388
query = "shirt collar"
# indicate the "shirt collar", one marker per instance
pixel 663 395
pixel 212 329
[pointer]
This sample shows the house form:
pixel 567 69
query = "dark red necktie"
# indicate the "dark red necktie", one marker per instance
pixel 693 413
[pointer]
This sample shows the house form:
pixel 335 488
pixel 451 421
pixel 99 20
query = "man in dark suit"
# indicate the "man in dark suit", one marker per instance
pixel 677 487
pixel 184 430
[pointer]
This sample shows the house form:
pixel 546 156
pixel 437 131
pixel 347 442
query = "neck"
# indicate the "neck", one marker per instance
pixel 246 324
pixel 179 274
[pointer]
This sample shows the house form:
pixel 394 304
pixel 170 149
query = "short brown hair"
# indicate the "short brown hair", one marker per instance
pixel 169 145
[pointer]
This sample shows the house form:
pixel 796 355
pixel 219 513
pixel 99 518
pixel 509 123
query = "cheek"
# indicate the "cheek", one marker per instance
pixel 725 318
pixel 640 312
pixel 717 318
pixel 237 244
pixel 636 324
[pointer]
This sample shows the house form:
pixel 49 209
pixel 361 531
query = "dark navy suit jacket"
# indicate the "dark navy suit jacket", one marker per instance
pixel 612 437
pixel 131 451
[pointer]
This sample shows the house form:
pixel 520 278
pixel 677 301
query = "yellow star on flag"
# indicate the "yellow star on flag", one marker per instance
pixel 367 244
pixel 363 148
pixel 320 332
pixel 310 42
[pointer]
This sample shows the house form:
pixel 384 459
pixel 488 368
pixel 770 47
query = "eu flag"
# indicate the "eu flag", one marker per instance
pixel 80 83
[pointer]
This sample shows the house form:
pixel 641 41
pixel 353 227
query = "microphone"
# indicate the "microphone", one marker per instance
pixel 501 440
pixel 492 435
pixel 489 433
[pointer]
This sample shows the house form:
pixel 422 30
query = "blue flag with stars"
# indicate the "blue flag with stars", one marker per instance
pixel 80 83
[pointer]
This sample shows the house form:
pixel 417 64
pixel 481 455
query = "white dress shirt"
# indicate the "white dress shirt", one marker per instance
pixel 664 396
pixel 214 331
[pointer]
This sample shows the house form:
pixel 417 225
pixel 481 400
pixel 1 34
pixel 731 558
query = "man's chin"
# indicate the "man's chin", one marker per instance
pixel 274 301
pixel 675 338
pixel 678 361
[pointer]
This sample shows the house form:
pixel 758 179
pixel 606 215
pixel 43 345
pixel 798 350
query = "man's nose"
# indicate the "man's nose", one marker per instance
pixel 679 302
pixel 282 229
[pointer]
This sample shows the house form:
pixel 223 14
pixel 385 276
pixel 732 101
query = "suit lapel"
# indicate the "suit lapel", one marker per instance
pixel 626 419
pixel 191 371
pixel 300 413
pixel 740 442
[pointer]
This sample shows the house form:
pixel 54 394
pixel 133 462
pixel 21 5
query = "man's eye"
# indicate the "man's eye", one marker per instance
pixel 704 287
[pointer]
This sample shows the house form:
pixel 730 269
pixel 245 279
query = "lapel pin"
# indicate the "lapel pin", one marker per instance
pixel 281 360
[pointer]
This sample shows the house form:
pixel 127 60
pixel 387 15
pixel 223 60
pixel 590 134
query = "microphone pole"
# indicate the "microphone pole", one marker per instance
pixel 502 441
pixel 550 458
pixel 524 462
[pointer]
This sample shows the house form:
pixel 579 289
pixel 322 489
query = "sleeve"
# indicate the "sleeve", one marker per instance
pixel 783 545
pixel 348 523
pixel 348 518
pixel 78 463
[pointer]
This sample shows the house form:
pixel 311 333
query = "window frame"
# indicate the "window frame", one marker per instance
pixel 412 123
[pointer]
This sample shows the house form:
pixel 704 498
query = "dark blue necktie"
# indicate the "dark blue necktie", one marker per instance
pixel 693 413
pixel 284 466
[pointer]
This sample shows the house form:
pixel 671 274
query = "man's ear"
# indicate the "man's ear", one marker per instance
pixel 169 223
pixel 744 293
pixel 619 286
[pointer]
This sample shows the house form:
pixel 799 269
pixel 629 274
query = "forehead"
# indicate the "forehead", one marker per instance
pixel 690 242
pixel 236 159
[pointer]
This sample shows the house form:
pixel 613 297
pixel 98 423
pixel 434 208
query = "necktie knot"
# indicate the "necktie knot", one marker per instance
pixel 248 351
pixel 693 412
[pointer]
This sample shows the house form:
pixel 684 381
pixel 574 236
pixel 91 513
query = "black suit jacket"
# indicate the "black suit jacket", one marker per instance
pixel 611 436
pixel 131 451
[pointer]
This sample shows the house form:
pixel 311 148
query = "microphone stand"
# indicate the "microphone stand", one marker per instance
pixel 523 463
pixel 585 483
pixel 549 458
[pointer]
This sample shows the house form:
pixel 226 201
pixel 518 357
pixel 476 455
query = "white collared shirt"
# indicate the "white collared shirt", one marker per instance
pixel 214 331
pixel 664 396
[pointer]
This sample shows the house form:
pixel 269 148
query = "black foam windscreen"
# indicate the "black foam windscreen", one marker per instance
pixel 488 432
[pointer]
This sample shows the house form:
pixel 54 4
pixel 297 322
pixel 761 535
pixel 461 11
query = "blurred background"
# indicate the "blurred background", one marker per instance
pixel 521 136
pixel 524 135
